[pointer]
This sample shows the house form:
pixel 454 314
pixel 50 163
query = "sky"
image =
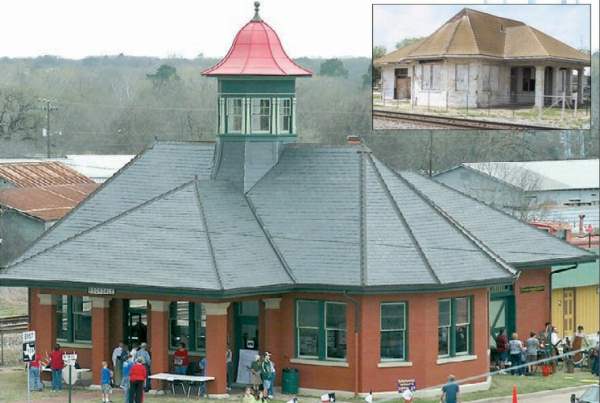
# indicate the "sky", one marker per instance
pixel 568 23
pixel 186 28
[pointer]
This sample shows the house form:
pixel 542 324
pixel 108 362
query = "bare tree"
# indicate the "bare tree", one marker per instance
pixel 19 115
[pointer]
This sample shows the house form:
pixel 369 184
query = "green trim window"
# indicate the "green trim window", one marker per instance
pixel 187 323
pixel 260 110
pixel 321 330
pixel 285 115
pixel 235 115
pixel 393 331
pixel 74 319
pixel 454 326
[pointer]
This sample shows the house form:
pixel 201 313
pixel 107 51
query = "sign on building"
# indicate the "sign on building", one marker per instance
pixel 28 346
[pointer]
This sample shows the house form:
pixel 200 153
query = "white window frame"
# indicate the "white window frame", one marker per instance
pixel 229 115
pixel 403 330
pixel 280 115
pixel 257 102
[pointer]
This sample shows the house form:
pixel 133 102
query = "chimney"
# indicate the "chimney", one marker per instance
pixel 353 139
pixel 581 217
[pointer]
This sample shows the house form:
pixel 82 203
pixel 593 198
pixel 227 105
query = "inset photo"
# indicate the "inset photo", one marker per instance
pixel 515 67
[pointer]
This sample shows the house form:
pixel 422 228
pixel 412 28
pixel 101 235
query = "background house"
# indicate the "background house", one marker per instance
pixel 477 59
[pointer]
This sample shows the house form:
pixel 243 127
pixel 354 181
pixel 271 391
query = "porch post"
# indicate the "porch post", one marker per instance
pixel 45 323
pixel 580 86
pixel 159 336
pixel 100 331
pixel 539 86
pixel 216 347
pixel 273 332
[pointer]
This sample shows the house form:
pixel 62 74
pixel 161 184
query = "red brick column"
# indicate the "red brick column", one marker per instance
pixel 43 314
pixel 216 347
pixel 100 331
pixel 272 333
pixel 159 336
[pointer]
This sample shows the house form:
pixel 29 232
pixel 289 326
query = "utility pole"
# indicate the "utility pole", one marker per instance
pixel 48 108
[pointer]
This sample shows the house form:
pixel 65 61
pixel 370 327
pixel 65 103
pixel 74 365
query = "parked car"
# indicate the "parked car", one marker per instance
pixel 591 395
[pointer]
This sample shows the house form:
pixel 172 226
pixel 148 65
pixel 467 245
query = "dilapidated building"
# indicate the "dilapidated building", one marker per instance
pixel 477 59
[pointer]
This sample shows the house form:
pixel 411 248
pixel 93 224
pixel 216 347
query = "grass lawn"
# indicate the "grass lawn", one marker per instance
pixel 12 389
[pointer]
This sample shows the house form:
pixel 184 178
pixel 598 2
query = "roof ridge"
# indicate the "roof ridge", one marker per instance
pixel 76 208
pixel 508 215
pixel 208 239
pixel 466 233
pixel 404 222
pixel 270 239
pixel 532 30
pixel 105 222
pixel 472 30
pixel 270 48
pixel 363 217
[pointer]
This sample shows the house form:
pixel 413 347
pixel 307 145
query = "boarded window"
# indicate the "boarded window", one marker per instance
pixel 461 77
pixel 432 76
pixel 489 77
pixel 401 72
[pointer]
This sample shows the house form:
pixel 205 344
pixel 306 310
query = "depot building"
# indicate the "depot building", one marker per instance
pixel 352 273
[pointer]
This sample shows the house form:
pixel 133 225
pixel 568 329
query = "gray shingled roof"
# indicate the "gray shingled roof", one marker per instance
pixel 321 218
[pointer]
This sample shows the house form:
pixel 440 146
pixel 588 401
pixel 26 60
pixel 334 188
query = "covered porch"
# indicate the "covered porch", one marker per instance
pixel 93 325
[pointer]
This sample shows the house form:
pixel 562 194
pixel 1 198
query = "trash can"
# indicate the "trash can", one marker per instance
pixel 289 381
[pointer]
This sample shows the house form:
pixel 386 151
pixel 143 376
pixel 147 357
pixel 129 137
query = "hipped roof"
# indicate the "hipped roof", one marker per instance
pixel 323 218
pixel 472 33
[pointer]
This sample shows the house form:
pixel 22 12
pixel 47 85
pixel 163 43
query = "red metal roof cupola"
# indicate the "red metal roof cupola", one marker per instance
pixel 256 51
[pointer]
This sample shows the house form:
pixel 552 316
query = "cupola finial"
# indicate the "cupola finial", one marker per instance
pixel 256 15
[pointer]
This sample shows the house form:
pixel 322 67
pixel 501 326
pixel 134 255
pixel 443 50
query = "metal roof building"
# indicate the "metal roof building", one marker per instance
pixel 339 266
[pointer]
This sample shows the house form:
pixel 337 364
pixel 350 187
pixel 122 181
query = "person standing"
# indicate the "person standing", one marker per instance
pixel 515 347
pixel 255 368
pixel 533 345
pixel 105 382
pixel 147 361
pixel 35 382
pixel 117 361
pixel 127 364
pixel 56 365
pixel 450 391
pixel 229 363
pixel 502 348
pixel 595 354
pixel 137 378
pixel 267 374
pixel 181 359
pixel 202 372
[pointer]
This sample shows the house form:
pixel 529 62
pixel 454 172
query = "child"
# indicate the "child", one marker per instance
pixel 105 378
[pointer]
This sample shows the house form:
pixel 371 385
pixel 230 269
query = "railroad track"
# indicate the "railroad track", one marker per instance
pixel 455 123
pixel 14 323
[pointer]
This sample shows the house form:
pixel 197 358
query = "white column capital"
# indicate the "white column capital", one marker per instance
pixel 47 299
pixel 100 302
pixel 272 303
pixel 216 308
pixel 159 306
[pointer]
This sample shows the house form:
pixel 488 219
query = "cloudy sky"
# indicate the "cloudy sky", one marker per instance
pixel 569 23
pixel 76 28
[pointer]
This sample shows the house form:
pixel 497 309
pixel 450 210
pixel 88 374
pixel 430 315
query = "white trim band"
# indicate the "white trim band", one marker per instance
pixel 394 364
pixel 321 363
pixel 458 358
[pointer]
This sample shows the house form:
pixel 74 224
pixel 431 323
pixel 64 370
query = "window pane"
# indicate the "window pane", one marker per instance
pixel 261 114
pixel 392 345
pixel 462 339
pixel 308 314
pixel 443 341
pixel 336 316
pixel 462 310
pixel 285 111
pixel 308 342
pixel 180 322
pixel 336 343
pixel 444 312
pixel 62 317
pixel 392 317
pixel 82 318
pixel 234 114
pixel 200 323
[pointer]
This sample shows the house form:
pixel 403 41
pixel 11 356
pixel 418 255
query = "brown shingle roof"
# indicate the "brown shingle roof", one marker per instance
pixel 40 174
pixel 49 203
pixel 474 33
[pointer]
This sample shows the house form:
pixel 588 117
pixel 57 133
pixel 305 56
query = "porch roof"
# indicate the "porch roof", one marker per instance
pixel 323 218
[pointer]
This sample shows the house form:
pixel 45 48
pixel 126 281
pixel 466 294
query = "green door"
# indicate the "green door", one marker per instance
pixel 502 314
pixel 245 327
pixel 135 318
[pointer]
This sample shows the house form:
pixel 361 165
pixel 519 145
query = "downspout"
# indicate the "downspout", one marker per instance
pixel 357 306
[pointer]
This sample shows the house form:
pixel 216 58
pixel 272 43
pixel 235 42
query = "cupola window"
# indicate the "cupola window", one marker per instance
pixel 285 115
pixel 261 115
pixel 235 114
